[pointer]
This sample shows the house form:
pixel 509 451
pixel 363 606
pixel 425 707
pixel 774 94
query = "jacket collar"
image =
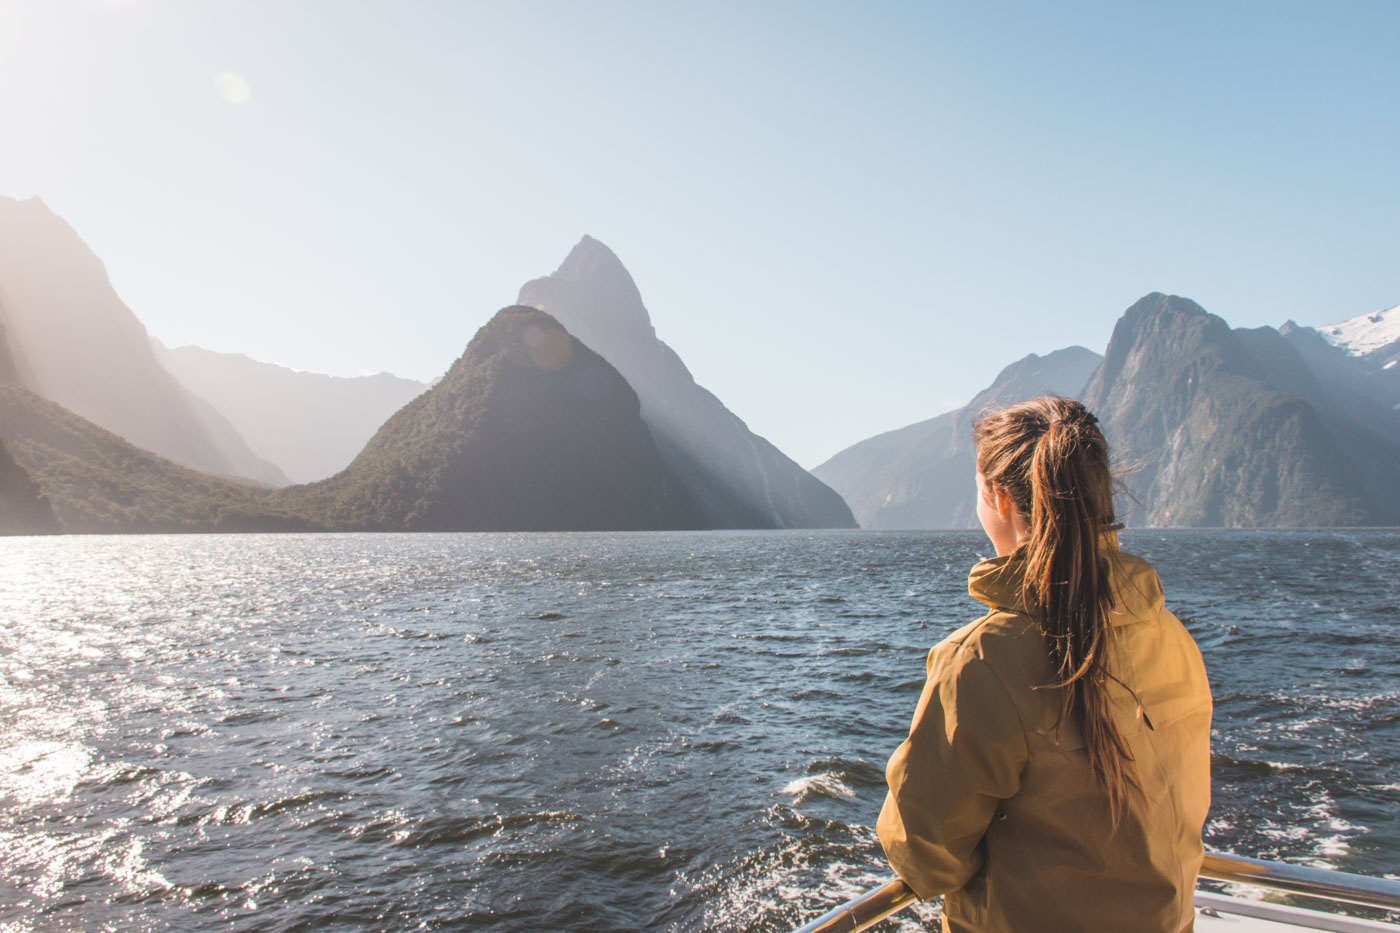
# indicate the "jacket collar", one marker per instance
pixel 997 582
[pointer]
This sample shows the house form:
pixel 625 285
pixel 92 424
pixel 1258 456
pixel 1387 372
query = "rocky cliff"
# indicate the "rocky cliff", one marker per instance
pixel 1210 440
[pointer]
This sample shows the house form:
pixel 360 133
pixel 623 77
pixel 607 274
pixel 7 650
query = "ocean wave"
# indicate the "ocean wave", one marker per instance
pixel 829 784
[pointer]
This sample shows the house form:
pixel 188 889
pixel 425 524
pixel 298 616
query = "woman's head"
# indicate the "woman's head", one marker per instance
pixel 1046 460
pixel 1048 456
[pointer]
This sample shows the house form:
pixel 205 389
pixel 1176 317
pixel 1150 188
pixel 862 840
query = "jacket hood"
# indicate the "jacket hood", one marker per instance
pixel 1137 591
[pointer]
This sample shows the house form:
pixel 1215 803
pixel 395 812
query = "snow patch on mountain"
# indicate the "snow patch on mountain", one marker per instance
pixel 1364 333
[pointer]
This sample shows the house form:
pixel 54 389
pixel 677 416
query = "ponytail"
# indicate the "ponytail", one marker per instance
pixel 1049 455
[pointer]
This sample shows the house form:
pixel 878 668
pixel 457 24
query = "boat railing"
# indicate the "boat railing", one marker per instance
pixel 868 909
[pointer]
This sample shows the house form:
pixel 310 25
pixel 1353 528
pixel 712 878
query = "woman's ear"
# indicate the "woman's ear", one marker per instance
pixel 1005 505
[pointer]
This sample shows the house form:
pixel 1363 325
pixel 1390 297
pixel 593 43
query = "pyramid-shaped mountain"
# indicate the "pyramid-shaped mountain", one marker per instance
pixel 736 478
pixel 920 476
pixel 530 430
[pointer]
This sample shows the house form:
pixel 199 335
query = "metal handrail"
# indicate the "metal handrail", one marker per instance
pixel 1297 879
pixel 866 910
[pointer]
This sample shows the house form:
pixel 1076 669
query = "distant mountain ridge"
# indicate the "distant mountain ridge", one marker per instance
pixel 74 342
pixel 310 425
pixel 920 476
pixel 736 478
pixel 1215 427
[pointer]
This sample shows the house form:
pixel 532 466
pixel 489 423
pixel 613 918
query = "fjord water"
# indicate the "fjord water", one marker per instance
pixel 590 731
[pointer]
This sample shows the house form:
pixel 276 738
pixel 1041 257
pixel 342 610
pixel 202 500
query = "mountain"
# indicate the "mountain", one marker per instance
pixel 1220 438
pixel 530 430
pixel 75 343
pixel 309 425
pixel 921 476
pixel 736 478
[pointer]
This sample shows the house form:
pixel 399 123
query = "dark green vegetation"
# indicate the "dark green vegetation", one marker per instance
pixel 920 476
pixel 1214 442
pixel 8 371
pixel 97 482
pixel 529 430
pixel 23 508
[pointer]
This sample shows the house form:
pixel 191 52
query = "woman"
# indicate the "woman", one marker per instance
pixel 1056 776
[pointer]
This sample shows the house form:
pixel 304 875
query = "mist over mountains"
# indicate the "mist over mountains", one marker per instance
pixel 73 341
pixel 311 425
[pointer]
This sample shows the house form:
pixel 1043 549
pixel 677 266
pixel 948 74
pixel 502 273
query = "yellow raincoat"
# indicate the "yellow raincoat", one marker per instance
pixel 991 806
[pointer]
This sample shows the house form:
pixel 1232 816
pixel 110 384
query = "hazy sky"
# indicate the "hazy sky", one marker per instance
pixel 844 217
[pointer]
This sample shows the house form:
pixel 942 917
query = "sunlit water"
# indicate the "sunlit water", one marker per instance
pixel 589 732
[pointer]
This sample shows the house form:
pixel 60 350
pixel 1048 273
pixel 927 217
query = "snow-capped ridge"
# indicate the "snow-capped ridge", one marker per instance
pixel 1365 333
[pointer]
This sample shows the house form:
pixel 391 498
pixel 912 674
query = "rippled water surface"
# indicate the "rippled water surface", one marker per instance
pixel 589 732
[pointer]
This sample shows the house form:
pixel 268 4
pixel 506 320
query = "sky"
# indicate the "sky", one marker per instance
pixel 845 217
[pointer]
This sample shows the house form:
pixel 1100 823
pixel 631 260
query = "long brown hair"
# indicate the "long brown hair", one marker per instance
pixel 1049 455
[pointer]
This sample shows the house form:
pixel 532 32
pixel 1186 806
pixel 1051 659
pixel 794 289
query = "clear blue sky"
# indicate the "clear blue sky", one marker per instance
pixel 844 217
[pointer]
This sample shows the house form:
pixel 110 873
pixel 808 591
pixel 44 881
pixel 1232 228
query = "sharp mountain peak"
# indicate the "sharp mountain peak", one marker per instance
pixel 592 259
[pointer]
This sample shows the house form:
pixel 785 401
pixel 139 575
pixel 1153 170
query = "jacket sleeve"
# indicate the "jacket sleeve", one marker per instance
pixel 965 753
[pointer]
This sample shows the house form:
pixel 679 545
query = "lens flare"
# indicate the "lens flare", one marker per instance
pixel 549 347
pixel 233 88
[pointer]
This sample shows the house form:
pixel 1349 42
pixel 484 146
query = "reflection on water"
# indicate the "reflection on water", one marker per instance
pixel 592 732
